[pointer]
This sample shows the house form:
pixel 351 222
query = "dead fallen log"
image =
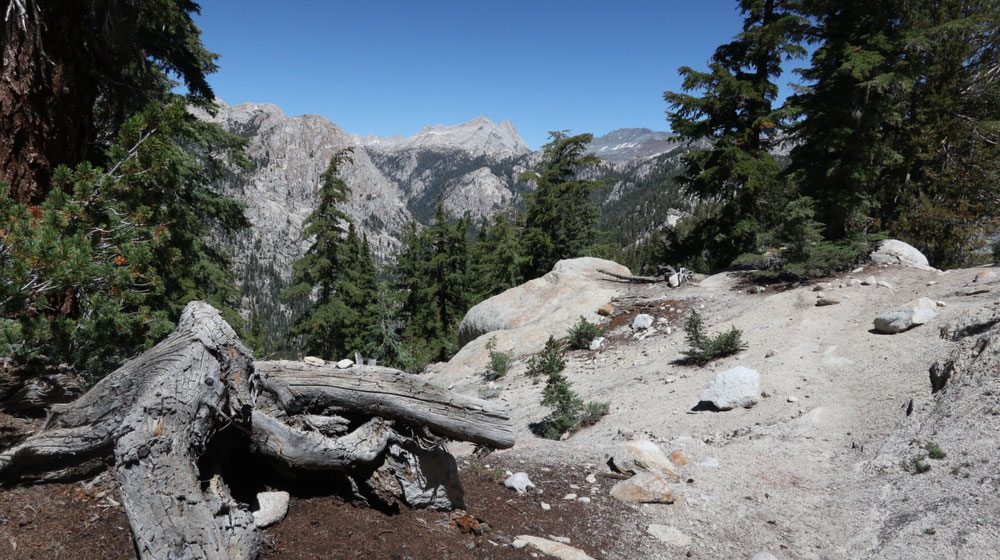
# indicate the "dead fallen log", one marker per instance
pixel 159 416
pixel 633 279
pixel 387 393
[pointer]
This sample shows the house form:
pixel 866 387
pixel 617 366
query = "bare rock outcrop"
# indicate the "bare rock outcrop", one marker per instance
pixel 522 318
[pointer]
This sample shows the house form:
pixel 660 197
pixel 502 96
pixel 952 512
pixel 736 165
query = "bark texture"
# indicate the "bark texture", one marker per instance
pixel 156 416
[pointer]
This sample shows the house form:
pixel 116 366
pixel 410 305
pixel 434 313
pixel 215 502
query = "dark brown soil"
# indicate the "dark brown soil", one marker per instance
pixel 84 521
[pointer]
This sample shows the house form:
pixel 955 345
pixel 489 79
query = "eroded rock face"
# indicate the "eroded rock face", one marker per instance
pixel 907 316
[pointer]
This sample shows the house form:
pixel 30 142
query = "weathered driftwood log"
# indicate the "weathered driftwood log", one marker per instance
pixel 156 416
pixel 387 393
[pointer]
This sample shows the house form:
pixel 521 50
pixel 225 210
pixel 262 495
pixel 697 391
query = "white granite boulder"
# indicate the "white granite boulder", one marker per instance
pixel 273 507
pixel 894 251
pixel 733 388
pixel 916 312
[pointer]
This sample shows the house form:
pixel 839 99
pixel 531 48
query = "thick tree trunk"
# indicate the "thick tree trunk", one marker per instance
pixel 157 414
pixel 46 105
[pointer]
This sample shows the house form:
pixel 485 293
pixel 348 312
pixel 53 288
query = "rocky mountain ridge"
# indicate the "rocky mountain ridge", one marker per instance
pixel 472 168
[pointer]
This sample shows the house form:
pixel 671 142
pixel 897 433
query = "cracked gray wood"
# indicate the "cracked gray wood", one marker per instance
pixel 155 416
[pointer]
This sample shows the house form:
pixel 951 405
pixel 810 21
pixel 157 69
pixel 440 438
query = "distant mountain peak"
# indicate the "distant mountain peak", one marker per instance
pixel 626 144
pixel 480 135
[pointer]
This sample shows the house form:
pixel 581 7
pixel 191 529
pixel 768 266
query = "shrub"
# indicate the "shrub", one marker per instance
pixel 934 451
pixel 593 412
pixel 569 411
pixel 582 333
pixel 499 363
pixel 704 348
pixel 549 361
pixel 996 250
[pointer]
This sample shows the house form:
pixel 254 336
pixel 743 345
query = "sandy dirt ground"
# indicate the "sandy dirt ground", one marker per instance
pixel 821 467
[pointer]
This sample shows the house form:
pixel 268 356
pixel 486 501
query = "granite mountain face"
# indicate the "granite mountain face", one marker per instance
pixel 472 168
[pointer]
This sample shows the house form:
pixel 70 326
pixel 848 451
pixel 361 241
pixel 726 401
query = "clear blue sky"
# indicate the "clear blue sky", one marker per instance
pixel 393 67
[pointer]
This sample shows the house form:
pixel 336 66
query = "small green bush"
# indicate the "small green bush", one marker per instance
pixel 582 333
pixel 499 363
pixel 549 361
pixel 704 348
pixel 593 412
pixel 934 451
pixel 920 466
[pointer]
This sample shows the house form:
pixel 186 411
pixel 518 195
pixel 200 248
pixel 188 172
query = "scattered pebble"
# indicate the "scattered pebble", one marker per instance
pixel 591 479
pixel 584 500
pixel 793 399
pixel 546 506
pixel 569 497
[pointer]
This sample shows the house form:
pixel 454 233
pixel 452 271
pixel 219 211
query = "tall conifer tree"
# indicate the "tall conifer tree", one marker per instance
pixel 560 222
pixel 736 178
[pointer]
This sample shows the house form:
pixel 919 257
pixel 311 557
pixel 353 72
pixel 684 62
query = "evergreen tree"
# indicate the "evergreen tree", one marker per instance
pixel 433 272
pixel 560 222
pixel 382 341
pixel 357 288
pixel 850 113
pixel 497 261
pixel 898 130
pixel 736 178
pixel 97 272
pixel 73 72
pixel 318 271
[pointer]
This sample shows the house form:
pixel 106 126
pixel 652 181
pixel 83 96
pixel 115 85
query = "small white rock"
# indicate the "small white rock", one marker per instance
pixel 519 482
pixel 591 479
pixel 314 361
pixel 793 399
pixel 569 497
pixel 584 500
pixel 546 506
pixel 344 364
pixel 642 321
pixel 273 507
pixel 941 304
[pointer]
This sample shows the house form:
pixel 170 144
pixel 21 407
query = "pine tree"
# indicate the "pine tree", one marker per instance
pixel 433 271
pixel 736 178
pixel 382 341
pixel 97 272
pixel 560 222
pixel 850 113
pixel 497 261
pixel 73 72
pixel 319 270
pixel 357 288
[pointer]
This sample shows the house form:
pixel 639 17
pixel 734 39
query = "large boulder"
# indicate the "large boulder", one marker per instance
pixel 907 316
pixel 733 388
pixel 573 288
pixel 522 318
pixel 644 488
pixel 636 457
pixel 894 251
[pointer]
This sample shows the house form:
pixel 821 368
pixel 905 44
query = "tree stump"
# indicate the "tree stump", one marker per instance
pixel 155 417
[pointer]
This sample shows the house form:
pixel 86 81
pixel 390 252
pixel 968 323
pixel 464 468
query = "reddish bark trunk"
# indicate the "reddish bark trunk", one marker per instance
pixel 46 102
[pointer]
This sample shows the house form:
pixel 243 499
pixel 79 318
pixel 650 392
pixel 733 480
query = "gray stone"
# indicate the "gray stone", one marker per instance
pixel 669 534
pixel 344 364
pixel 273 507
pixel 642 321
pixel 893 251
pixel 916 312
pixel 986 277
pixel 736 387
pixel 674 280
pixel 870 281
pixel 552 548
pixel 519 481
pixel 596 343
pixel 314 361
pixel 763 555
pixel 644 488
pixel 823 302
pixel 640 456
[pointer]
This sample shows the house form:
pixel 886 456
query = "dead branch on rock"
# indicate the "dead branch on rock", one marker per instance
pixel 674 277
pixel 156 416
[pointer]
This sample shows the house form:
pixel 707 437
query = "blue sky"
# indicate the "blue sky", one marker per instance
pixel 393 67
